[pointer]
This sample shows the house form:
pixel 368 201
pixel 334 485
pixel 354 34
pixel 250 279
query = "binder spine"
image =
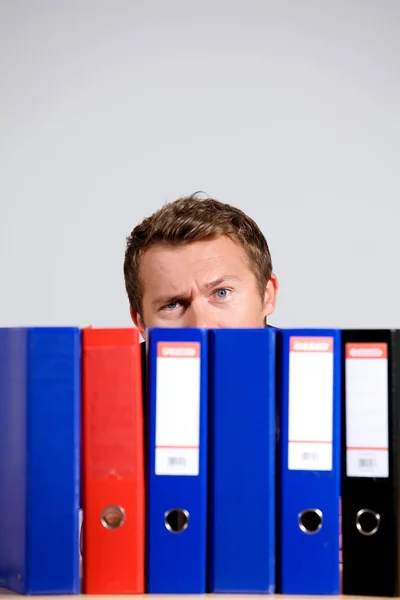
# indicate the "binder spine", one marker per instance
pixel 395 419
pixel 113 463
pixel 13 458
pixel 53 461
pixel 177 477
pixel 310 462
pixel 242 461
pixel 370 469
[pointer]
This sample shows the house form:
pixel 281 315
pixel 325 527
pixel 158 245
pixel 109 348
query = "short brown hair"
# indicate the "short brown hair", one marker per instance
pixel 193 219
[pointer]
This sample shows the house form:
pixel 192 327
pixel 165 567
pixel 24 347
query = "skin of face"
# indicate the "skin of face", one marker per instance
pixel 206 284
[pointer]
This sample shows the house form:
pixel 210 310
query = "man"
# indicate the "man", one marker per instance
pixel 199 263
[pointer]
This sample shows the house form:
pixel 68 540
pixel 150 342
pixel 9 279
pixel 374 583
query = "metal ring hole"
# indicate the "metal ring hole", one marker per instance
pixel 310 521
pixel 176 520
pixel 367 521
pixel 113 517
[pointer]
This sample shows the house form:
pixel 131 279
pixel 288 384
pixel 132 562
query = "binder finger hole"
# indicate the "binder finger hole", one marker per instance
pixel 176 520
pixel 113 517
pixel 310 521
pixel 367 521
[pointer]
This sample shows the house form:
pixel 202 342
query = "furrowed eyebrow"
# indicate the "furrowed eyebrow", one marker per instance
pixel 165 300
pixel 225 279
pixel 168 299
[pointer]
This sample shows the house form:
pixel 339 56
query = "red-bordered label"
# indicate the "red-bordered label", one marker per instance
pixel 178 349
pixel 311 344
pixel 366 350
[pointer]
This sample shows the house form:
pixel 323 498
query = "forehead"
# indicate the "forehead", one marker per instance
pixel 171 268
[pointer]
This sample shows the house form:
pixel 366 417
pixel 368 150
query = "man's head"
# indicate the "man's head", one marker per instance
pixel 199 263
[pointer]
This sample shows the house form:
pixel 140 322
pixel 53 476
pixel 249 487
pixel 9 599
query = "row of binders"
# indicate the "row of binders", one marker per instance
pixel 220 461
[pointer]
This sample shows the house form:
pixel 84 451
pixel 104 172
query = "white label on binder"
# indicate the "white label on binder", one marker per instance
pixel 178 408
pixel 367 397
pixel 310 403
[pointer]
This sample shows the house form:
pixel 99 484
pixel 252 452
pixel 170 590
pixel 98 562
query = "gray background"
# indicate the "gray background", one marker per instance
pixel 289 110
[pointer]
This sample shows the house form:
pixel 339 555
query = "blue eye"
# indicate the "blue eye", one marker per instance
pixel 222 293
pixel 172 305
